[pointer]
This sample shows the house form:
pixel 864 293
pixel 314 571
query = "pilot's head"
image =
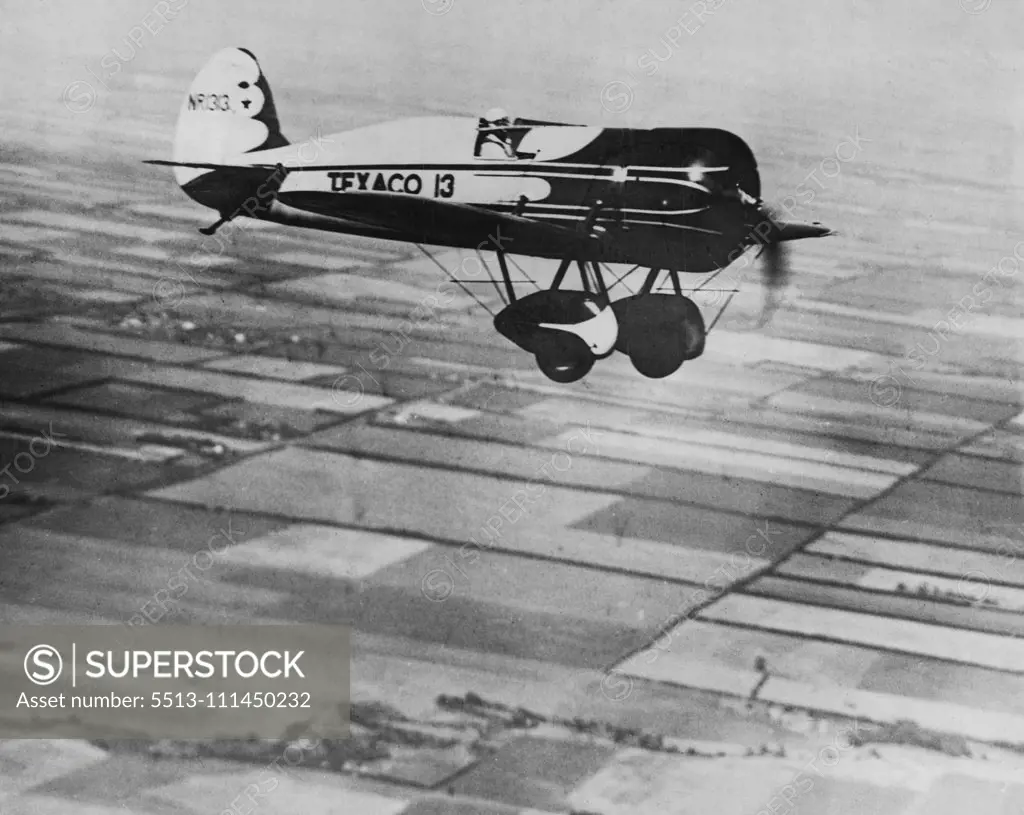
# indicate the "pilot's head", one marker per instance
pixel 497 117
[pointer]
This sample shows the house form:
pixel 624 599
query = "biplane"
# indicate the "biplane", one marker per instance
pixel 666 200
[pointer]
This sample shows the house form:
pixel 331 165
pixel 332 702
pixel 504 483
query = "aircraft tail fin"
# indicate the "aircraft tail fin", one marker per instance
pixel 228 110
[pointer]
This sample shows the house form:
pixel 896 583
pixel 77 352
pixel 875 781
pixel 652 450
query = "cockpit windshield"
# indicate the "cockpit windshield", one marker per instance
pixel 498 137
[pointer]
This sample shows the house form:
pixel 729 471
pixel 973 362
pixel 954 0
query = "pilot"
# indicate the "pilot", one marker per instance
pixel 495 143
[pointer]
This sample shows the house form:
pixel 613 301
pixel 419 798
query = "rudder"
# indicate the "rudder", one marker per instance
pixel 228 110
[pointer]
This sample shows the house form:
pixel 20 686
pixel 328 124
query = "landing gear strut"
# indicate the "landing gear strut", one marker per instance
pixel 565 330
pixel 568 330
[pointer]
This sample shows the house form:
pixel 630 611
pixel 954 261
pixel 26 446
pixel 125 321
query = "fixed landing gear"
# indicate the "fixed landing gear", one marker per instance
pixel 672 334
pixel 564 359
pixel 568 330
pixel 565 330
pixel 659 332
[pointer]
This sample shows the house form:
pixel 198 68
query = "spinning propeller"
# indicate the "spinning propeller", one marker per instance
pixel 775 271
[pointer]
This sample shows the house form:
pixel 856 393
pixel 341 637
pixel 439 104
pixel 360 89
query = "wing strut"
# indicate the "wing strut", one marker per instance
pixel 508 279
pixel 599 279
pixel 563 267
pixel 649 281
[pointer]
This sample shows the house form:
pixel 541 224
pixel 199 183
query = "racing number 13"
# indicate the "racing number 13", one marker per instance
pixel 444 185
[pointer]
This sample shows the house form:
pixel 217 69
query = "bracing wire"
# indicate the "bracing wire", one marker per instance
pixel 622 277
pixel 522 271
pixel 708 280
pixel 455 280
pixel 721 311
pixel 490 274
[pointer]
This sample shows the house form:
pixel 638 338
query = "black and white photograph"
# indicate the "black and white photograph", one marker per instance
pixel 478 407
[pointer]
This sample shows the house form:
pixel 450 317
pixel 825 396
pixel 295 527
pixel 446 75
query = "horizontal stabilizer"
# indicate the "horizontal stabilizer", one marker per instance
pixel 207 166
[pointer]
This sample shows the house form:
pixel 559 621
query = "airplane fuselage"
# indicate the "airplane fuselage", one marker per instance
pixel 657 192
